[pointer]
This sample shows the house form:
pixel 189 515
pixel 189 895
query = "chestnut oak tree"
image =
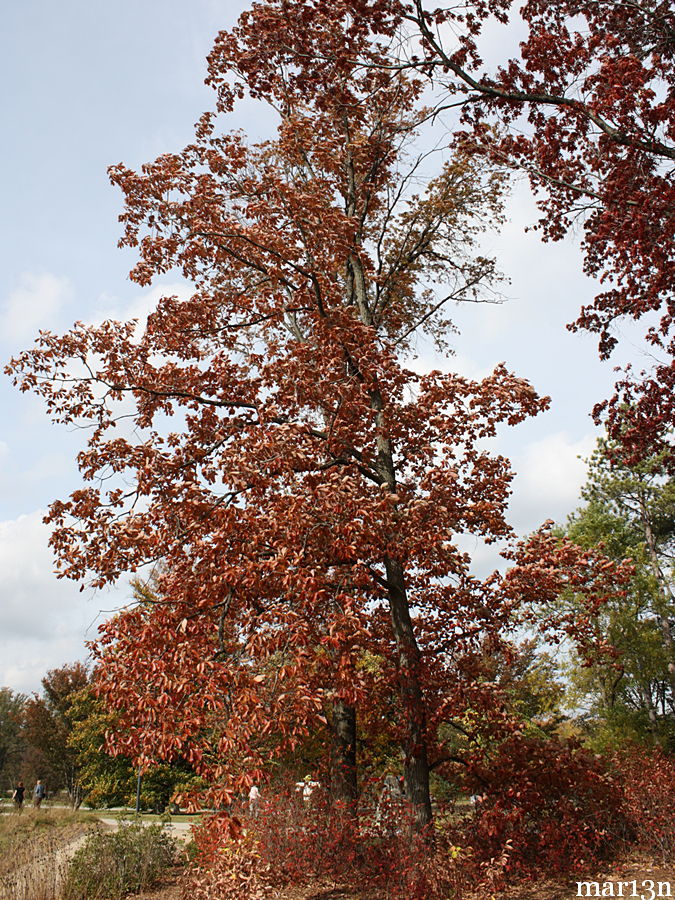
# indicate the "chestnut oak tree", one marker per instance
pixel 300 483
pixel 305 504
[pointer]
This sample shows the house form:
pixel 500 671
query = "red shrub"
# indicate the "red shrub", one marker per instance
pixel 545 806
pixel 648 784
pixel 291 842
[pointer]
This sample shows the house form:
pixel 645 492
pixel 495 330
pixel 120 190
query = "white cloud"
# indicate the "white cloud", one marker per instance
pixel 140 306
pixel 34 304
pixel 485 558
pixel 44 621
pixel 550 474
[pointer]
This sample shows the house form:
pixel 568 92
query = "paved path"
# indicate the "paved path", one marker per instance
pixel 182 831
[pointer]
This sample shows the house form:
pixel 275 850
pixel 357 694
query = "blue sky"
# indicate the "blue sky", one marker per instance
pixel 89 85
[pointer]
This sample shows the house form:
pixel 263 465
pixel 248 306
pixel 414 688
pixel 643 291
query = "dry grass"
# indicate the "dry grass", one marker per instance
pixel 35 849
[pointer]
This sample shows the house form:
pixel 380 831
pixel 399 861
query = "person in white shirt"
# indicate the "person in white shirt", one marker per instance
pixel 307 787
pixel 254 801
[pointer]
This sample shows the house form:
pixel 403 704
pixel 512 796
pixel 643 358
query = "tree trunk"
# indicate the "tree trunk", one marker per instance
pixel 343 788
pixel 416 763
pixel 648 704
pixel 665 592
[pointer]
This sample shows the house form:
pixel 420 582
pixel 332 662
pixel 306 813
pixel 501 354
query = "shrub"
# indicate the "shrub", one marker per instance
pixel 545 806
pixel 111 865
pixel 648 785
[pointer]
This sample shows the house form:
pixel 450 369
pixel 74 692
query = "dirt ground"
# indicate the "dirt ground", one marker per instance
pixel 638 869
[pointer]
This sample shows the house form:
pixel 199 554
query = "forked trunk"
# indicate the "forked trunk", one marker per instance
pixel 416 765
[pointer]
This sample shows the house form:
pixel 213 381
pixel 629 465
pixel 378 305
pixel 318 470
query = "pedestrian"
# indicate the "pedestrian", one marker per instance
pixel 18 796
pixel 307 787
pixel 254 801
pixel 39 794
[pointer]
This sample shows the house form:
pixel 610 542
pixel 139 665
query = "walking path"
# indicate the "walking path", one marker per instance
pixel 182 831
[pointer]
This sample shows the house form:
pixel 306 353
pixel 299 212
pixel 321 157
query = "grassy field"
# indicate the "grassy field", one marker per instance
pixel 85 814
pixel 45 854
pixel 23 836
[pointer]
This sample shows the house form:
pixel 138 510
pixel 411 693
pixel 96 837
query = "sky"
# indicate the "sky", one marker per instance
pixel 91 85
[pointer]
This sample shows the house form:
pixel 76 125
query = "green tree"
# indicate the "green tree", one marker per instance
pixel 530 679
pixel 108 780
pixel 630 512
pixel 11 739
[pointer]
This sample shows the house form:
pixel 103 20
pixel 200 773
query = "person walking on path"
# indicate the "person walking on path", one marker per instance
pixel 39 794
pixel 18 796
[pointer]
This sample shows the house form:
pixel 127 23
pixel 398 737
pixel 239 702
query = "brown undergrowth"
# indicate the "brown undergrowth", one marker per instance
pixel 35 850
pixel 638 867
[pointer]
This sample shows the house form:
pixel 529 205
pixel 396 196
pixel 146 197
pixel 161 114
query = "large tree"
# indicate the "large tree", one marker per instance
pixel 306 504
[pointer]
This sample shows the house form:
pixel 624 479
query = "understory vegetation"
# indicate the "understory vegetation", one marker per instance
pixel 108 866
pixel 548 812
